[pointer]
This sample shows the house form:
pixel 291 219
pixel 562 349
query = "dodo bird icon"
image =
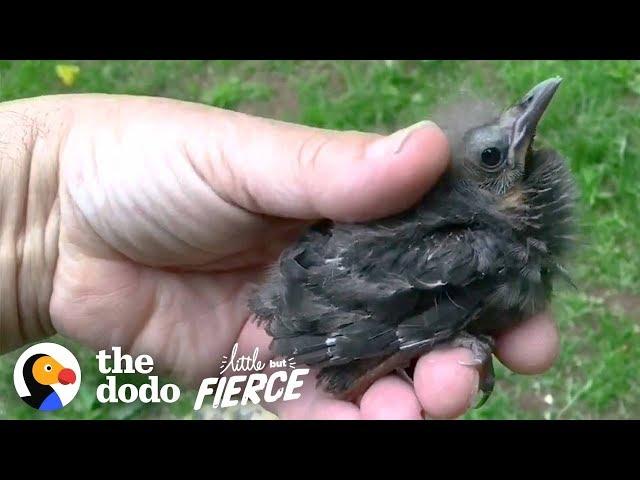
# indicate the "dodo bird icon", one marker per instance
pixel 47 377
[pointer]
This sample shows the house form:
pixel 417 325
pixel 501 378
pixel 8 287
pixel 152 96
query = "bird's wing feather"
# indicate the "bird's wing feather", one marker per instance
pixel 339 305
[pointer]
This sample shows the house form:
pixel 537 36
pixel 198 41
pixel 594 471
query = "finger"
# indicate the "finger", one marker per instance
pixel 530 347
pixel 445 388
pixel 187 180
pixel 313 404
pixel 295 171
pixel 331 409
pixel 390 398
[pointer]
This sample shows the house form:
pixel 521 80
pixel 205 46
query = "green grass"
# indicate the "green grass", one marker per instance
pixel 594 121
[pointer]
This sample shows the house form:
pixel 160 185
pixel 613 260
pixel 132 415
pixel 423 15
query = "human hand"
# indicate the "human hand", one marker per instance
pixel 167 213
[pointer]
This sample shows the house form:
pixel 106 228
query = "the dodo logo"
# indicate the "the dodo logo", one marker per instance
pixel 47 376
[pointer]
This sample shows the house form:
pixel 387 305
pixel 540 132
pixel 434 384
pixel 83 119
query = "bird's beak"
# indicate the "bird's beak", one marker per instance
pixel 66 376
pixel 523 118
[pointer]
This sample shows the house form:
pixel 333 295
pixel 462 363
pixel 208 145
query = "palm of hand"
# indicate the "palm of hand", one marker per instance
pixel 151 258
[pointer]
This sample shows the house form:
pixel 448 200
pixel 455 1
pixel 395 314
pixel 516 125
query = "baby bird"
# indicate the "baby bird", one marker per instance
pixel 477 254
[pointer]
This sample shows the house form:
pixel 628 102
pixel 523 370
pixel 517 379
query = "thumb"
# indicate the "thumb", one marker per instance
pixel 294 171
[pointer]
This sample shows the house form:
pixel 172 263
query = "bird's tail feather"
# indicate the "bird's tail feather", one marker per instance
pixel 341 379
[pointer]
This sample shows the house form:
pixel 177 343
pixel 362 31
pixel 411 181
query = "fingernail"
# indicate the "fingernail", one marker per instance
pixel 399 138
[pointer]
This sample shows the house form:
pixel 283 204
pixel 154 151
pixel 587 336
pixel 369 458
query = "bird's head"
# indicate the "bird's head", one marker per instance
pixel 494 154
pixel 46 370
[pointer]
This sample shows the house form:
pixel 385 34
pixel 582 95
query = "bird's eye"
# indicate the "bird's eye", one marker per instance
pixel 491 157
pixel 48 368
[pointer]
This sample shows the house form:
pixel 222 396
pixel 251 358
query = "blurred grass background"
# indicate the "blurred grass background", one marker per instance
pixel 594 121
